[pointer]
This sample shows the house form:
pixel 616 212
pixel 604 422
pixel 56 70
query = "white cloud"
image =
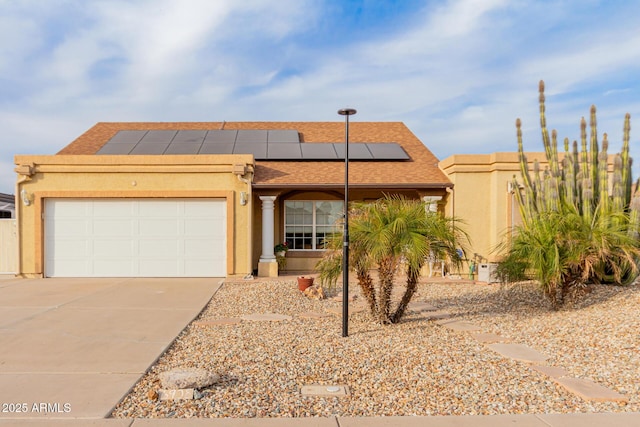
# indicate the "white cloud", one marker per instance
pixel 458 73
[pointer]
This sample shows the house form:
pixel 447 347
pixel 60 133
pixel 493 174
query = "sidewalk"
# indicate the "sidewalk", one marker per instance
pixel 552 420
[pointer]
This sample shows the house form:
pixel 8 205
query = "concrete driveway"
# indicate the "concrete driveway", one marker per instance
pixel 72 348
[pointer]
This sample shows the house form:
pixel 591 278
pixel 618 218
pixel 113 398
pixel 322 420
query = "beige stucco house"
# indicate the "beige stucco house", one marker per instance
pixel 207 199
pixel 483 197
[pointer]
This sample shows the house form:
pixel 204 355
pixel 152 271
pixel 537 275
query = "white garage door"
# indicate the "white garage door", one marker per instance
pixel 135 238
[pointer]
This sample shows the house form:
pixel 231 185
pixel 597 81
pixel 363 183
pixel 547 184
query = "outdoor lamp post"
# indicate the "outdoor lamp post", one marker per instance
pixel 346 112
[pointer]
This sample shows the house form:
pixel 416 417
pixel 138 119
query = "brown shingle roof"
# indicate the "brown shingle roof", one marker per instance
pixel 420 172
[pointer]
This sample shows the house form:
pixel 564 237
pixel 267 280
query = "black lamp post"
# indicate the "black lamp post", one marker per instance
pixel 346 112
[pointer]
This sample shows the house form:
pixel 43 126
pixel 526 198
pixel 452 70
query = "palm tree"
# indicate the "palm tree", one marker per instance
pixel 564 250
pixel 392 233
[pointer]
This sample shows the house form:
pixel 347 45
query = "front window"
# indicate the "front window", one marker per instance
pixel 307 224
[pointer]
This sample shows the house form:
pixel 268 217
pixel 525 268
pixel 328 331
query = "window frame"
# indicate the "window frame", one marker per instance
pixel 314 224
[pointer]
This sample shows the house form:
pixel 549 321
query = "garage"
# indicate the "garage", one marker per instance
pixel 135 238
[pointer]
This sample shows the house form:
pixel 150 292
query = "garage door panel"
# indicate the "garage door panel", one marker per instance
pixel 135 237
pixel 159 267
pixel 203 210
pixel 72 227
pixel 158 248
pixel 112 268
pixel 112 227
pixel 71 248
pixel 193 264
pixel 110 209
pixel 200 248
pixel 159 227
pixel 199 227
pixel 160 209
pixel 113 248
pixel 70 267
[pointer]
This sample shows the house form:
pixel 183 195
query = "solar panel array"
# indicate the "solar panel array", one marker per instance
pixel 263 144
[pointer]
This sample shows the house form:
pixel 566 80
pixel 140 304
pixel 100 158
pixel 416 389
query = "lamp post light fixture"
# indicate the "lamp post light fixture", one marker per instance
pixel 346 112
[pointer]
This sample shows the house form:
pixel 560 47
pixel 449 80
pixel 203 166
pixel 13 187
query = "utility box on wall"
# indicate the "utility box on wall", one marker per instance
pixel 487 273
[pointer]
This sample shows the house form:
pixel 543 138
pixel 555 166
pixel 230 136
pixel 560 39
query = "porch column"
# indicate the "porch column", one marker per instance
pixel 432 202
pixel 267 265
pixel 432 206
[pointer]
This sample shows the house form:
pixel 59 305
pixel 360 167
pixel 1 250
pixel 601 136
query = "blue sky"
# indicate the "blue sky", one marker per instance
pixel 457 73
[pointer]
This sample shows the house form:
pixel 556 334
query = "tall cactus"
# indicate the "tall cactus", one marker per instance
pixel 581 179
pixel 593 149
pixel 577 228
pixel 626 160
pixel 602 181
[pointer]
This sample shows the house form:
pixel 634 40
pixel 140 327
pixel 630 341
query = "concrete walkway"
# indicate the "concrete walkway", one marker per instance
pixel 72 348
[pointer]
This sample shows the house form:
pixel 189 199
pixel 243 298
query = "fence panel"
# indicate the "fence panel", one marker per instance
pixel 8 246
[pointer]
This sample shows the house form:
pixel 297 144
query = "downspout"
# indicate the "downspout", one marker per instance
pixel 453 210
pixel 453 202
pixel 249 275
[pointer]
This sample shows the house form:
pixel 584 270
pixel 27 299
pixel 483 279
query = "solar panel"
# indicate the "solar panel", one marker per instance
pixel 259 151
pixel 183 148
pixel 190 136
pixel 117 148
pixel 318 152
pixel 221 136
pixel 251 136
pixel 150 148
pixel 161 136
pixel 273 144
pixel 356 151
pixel 283 150
pixel 387 151
pixel 128 136
pixel 216 148
pixel 289 136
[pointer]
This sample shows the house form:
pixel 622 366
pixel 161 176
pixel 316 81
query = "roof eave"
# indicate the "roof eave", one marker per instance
pixel 358 186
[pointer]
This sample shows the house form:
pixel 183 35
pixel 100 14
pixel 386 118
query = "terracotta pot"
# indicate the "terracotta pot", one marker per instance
pixel 304 282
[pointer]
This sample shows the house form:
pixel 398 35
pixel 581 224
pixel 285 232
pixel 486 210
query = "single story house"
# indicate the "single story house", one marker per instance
pixel 207 198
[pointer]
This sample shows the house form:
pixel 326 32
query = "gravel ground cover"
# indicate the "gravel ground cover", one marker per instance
pixel 416 367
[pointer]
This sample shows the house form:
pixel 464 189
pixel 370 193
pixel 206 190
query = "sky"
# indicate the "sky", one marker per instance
pixel 457 72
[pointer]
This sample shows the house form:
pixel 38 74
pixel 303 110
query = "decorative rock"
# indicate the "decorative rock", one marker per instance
pixel 152 395
pixel 179 394
pixel 358 308
pixel 408 369
pixel 338 297
pixel 315 292
pixel 188 378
